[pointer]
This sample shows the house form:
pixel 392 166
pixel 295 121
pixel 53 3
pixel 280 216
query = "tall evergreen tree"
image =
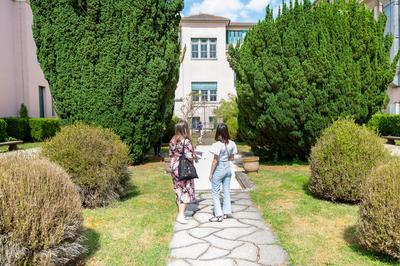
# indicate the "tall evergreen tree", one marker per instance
pixel 300 71
pixel 114 63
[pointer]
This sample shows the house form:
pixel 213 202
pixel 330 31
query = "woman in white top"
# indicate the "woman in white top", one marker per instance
pixel 224 150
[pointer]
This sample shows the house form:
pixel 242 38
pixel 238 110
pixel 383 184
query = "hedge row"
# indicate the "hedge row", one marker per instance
pixel 28 129
pixel 3 132
pixel 385 124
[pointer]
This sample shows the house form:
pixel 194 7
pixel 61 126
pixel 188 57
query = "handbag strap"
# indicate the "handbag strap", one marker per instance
pixel 183 149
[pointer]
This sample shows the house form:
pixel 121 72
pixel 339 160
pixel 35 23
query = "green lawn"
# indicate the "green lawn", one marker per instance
pixel 23 146
pixel 137 230
pixel 314 232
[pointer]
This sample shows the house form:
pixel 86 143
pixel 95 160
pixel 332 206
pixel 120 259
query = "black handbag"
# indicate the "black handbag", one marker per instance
pixel 186 169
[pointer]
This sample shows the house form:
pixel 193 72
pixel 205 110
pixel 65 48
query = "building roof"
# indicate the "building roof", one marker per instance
pixel 204 17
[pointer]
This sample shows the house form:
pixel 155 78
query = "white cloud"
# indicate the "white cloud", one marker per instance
pixel 226 8
pixel 257 5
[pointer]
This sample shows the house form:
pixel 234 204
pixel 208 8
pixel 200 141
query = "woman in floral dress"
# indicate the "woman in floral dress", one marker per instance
pixel 184 189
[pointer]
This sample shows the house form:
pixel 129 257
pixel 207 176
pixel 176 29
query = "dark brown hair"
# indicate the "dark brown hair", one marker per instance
pixel 182 131
pixel 222 133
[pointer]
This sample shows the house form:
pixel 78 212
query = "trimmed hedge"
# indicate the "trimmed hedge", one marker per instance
pixel 341 160
pixel 43 128
pixel 18 128
pixel 41 214
pixel 3 130
pixel 96 160
pixel 28 129
pixel 379 224
pixel 385 124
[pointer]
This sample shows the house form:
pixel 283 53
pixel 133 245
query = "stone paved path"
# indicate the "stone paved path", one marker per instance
pixel 241 240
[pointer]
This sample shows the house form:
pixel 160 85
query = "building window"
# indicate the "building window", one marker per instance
pixel 235 36
pixel 206 47
pixel 387 9
pixel 195 121
pixel 41 101
pixel 204 91
pixel 213 122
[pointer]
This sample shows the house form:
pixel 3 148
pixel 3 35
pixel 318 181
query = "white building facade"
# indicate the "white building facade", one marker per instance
pixel 205 77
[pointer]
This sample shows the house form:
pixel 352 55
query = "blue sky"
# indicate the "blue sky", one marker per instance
pixel 236 10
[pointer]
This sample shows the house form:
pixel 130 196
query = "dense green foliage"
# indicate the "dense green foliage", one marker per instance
pixel 385 124
pixel 43 128
pixel 41 214
pixel 28 129
pixel 341 160
pixel 169 131
pixel 114 63
pixel 96 160
pixel 3 130
pixel 18 128
pixel 299 72
pixel 228 111
pixel 23 111
pixel 379 226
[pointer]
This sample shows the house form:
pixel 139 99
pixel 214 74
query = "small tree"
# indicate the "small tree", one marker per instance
pixel 189 106
pixel 23 111
pixel 228 112
pixel 300 71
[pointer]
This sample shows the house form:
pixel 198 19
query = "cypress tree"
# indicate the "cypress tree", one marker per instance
pixel 300 71
pixel 114 63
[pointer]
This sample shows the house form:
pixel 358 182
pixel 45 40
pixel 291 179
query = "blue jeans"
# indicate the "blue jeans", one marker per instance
pixel 222 175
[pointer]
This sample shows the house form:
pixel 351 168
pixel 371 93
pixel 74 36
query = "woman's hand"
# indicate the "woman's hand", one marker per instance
pixel 210 178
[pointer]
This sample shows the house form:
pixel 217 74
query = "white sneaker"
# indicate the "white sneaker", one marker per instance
pixel 181 219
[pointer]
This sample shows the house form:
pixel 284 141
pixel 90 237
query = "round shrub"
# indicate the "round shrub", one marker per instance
pixel 379 225
pixel 342 158
pixel 40 213
pixel 95 158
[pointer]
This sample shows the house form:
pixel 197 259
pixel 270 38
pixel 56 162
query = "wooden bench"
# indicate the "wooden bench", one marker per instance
pixel 12 145
pixel 391 139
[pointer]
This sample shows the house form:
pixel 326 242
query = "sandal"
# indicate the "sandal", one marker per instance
pixel 216 219
pixel 227 216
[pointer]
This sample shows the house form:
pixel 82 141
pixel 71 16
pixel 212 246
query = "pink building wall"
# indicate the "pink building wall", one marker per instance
pixel 20 72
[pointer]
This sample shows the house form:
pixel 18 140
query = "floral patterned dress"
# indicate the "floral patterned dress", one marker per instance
pixel 184 189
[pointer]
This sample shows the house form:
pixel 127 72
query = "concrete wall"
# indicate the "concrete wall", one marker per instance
pixel 20 72
pixel 214 70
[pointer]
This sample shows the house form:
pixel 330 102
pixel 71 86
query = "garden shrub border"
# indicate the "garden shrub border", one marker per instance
pixel 3 130
pixel 385 124
pixel 31 129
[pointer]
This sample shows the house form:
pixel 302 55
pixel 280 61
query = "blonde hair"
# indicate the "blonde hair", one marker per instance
pixel 182 131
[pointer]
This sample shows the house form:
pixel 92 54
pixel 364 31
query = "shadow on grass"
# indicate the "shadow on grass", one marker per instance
pixel 350 236
pixel 131 192
pixel 92 243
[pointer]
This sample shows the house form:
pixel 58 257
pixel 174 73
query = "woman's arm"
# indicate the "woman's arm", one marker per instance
pixel 213 166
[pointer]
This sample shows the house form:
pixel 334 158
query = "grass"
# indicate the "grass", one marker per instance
pixel 137 230
pixel 313 231
pixel 23 146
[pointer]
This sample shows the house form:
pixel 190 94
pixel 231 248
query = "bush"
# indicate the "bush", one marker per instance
pixel 3 130
pixel 379 224
pixel 95 158
pixel 18 128
pixel 41 215
pixel 385 124
pixel 228 112
pixel 341 160
pixel 43 128
pixel 321 66
pixel 23 111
